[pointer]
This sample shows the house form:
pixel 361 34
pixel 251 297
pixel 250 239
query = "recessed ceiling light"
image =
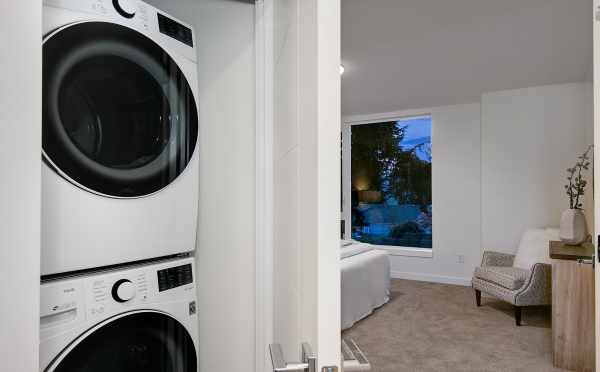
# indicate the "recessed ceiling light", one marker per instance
pixel 342 69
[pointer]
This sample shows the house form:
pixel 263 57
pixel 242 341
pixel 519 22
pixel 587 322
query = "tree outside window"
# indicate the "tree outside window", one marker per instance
pixel 391 183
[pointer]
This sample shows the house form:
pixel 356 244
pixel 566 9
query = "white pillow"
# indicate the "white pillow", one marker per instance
pixel 533 247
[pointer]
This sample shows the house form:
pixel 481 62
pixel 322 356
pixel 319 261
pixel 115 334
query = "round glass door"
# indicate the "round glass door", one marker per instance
pixel 119 117
pixel 140 342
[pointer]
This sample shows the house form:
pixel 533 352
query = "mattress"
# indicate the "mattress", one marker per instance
pixel 365 277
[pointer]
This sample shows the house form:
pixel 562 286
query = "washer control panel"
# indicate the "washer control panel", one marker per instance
pixel 60 303
pixel 126 8
pixel 98 295
pixel 174 277
pixel 111 292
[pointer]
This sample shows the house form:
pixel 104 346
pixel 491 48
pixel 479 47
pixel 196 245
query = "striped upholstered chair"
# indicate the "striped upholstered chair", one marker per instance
pixel 522 279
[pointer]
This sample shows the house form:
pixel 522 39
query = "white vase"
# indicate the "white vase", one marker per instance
pixel 573 227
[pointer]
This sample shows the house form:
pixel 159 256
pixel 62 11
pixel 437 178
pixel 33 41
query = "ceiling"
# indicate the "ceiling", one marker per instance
pixel 409 54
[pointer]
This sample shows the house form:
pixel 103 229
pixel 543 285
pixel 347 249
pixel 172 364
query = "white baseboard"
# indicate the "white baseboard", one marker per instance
pixel 431 278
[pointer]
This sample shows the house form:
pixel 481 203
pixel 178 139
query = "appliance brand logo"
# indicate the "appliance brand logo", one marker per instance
pixel 69 290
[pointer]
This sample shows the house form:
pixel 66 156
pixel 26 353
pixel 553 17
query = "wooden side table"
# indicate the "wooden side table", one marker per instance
pixel 573 308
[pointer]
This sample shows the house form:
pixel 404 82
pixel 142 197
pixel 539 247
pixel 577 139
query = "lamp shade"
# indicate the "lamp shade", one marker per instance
pixel 370 196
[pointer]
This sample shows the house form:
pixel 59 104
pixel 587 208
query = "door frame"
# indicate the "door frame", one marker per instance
pixel 264 183
pixel 596 165
pixel 326 44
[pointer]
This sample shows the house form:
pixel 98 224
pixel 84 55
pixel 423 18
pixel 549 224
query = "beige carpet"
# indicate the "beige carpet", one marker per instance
pixel 436 327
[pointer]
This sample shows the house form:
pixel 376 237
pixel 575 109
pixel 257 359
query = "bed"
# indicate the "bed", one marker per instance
pixel 365 277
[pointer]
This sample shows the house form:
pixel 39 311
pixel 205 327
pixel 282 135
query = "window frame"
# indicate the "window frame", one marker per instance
pixel 346 214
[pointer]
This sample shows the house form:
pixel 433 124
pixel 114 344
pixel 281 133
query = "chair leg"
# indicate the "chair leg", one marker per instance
pixel 518 315
pixel 478 297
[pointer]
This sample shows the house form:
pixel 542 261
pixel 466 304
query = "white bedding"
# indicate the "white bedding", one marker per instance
pixel 353 249
pixel 365 281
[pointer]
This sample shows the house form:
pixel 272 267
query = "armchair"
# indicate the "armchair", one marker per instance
pixel 524 279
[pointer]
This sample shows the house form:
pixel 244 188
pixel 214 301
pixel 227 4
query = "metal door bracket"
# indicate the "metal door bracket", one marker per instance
pixel 354 358
pixel 584 261
pixel 308 364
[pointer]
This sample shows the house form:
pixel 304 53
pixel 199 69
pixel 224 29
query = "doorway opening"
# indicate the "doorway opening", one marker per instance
pixel 467 185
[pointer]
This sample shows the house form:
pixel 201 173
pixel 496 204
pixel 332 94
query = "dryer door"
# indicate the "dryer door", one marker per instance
pixel 119 117
pixel 138 342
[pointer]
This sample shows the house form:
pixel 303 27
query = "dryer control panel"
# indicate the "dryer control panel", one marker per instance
pixel 138 14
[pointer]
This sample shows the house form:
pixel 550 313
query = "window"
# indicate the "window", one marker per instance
pixel 391 182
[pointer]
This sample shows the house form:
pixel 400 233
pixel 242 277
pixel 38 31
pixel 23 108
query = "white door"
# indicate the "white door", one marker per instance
pixel 302 49
pixel 596 231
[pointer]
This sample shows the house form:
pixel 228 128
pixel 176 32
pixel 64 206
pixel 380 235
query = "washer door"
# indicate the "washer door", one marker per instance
pixel 139 342
pixel 119 117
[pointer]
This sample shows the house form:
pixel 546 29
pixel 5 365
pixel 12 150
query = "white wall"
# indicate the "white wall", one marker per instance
pixel 529 138
pixel 498 168
pixel 20 161
pixel 456 175
pixel 226 232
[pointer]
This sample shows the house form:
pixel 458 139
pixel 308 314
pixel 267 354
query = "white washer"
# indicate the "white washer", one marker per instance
pixel 120 134
pixel 139 319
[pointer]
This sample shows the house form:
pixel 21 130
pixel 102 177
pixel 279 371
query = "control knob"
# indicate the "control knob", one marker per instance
pixel 123 290
pixel 126 8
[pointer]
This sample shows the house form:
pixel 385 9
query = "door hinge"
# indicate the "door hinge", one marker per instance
pixel 598 248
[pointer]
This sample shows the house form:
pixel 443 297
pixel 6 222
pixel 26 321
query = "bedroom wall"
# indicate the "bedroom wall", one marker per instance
pixel 529 138
pixel 226 231
pixel 20 144
pixel 498 167
pixel 456 174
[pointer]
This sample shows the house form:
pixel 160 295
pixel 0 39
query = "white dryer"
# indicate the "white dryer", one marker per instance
pixel 142 319
pixel 120 134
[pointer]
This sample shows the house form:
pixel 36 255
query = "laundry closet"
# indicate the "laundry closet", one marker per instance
pixel 225 38
pixel 147 185
pixel 138 148
pixel 134 188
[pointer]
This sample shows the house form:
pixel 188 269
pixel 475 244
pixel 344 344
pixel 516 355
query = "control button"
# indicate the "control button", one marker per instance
pixel 126 8
pixel 123 290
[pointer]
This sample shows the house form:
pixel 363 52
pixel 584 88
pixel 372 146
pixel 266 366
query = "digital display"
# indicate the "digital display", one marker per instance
pixel 174 277
pixel 175 30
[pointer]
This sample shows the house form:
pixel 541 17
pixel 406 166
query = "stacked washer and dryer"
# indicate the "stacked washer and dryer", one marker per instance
pixel 119 189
